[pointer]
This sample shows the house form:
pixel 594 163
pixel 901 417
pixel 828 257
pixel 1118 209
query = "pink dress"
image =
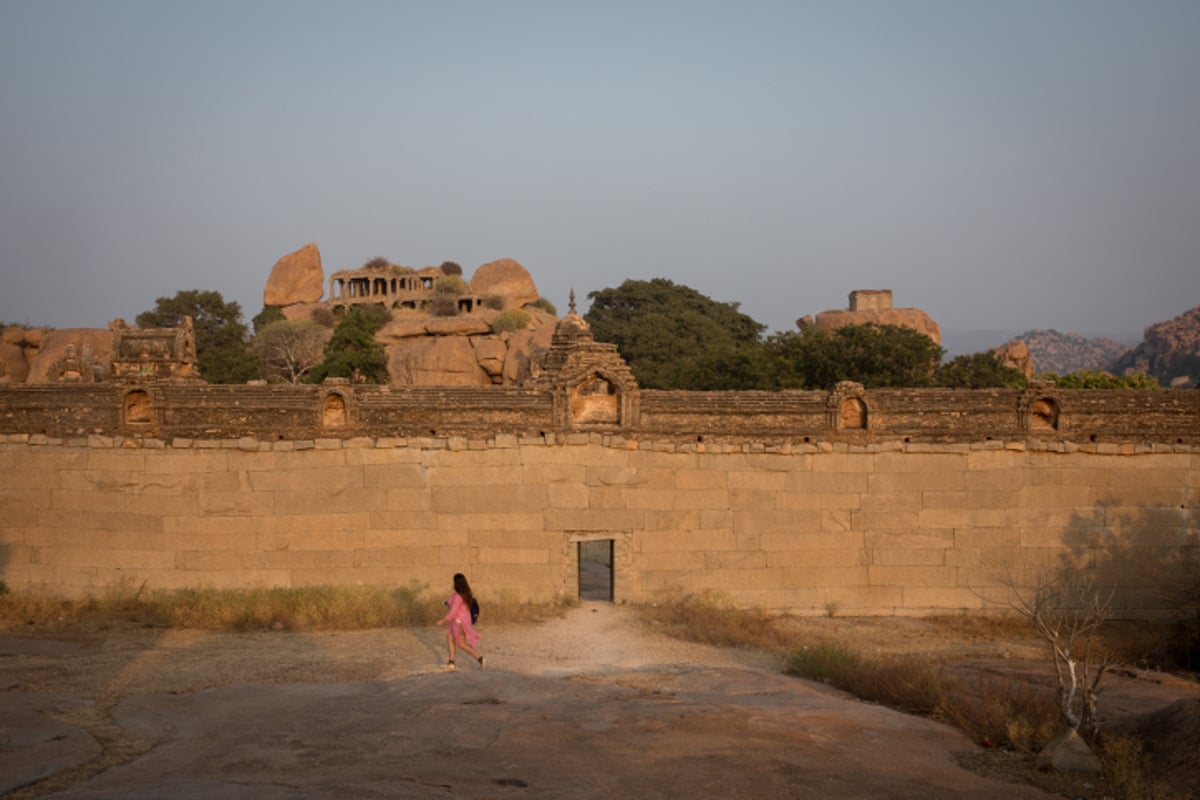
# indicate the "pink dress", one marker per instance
pixel 458 620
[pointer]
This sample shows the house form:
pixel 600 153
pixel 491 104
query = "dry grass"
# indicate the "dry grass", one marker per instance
pixel 315 608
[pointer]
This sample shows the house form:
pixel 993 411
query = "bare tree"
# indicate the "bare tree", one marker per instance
pixel 1068 609
pixel 288 349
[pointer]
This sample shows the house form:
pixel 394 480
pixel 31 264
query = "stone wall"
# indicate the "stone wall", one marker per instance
pixel 879 503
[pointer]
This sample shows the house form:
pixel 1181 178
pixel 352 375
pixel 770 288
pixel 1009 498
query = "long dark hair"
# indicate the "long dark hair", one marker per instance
pixel 463 588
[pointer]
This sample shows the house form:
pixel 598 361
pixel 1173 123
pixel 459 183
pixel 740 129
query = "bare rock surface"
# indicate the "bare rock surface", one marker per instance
pixel 506 278
pixel 91 344
pixel 13 367
pixel 593 704
pixel 296 278
pixel 913 318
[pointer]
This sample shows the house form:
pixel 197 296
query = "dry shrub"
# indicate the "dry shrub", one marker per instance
pixel 510 319
pixel 1128 773
pixel 907 683
pixel 1002 712
pixel 710 619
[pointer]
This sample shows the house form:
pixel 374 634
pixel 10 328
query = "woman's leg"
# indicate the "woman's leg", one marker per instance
pixel 450 642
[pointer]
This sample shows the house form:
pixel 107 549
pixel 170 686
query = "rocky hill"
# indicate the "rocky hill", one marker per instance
pixel 1170 352
pixel 1062 353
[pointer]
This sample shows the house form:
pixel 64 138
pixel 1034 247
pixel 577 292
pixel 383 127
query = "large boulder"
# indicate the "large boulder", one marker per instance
pixel 526 351
pixel 435 361
pixel 913 318
pixel 1015 354
pixel 296 278
pixel 13 368
pixel 507 279
pixel 92 345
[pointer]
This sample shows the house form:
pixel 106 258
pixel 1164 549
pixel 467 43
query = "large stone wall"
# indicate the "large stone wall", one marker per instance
pixel 877 527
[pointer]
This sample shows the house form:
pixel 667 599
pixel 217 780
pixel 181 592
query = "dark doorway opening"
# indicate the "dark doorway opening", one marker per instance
pixel 596 570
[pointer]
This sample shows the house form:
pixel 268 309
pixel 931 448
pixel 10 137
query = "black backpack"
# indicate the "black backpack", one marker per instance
pixel 474 610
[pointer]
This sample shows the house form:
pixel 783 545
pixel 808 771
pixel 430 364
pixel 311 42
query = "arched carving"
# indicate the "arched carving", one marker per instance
pixel 139 410
pixel 1043 414
pixel 333 411
pixel 595 400
pixel 852 414
pixel 846 408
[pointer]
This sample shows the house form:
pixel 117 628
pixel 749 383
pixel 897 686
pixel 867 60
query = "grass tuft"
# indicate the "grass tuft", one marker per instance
pixel 313 608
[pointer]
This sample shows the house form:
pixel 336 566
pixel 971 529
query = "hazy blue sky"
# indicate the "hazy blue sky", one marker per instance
pixel 1002 165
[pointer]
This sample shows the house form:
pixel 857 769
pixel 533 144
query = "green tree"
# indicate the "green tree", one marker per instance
pixel 673 337
pixel 877 356
pixel 223 353
pixel 268 315
pixel 978 371
pixel 352 352
pixel 1098 379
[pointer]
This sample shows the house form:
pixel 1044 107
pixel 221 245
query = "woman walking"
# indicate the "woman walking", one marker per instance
pixel 460 632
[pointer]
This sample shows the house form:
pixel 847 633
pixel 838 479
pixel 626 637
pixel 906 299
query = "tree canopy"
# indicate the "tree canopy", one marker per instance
pixel 978 371
pixel 352 352
pixel 672 336
pixel 222 351
pixel 877 356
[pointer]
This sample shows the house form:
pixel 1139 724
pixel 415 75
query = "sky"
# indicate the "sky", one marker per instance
pixel 1001 165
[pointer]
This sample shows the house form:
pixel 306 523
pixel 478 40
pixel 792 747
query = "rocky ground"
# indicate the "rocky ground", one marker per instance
pixel 591 705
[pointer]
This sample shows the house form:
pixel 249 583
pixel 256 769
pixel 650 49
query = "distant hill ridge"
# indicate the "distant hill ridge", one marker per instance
pixel 1062 353
pixel 1170 352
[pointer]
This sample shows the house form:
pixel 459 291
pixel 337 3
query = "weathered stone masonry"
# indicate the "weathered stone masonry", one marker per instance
pixel 867 502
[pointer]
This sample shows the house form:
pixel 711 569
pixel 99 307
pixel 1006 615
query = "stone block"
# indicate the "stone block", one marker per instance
pixel 657 560
pixel 823 576
pixel 492 497
pixel 21 507
pixel 752 499
pixel 915 538
pixel 908 557
pixel 408 499
pixel 236 504
pixel 814 557
pixel 117 460
pixel 716 519
pixel 673 520
pixel 927 463
pixel 764 522
pixel 884 520
pixel 553 474
pixel 567 495
pixel 513 555
pixel 794 501
pixel 912 576
pixel 594 519
pixel 811 540
pixel 394 475
pixel 701 480
pixel 735 559
pixel 761 481
pixel 1048 497
pixel 900 482
pixel 99 520
pixel 943 518
pixel 851 600
pixel 330 501
pixel 820 482
pixel 940 599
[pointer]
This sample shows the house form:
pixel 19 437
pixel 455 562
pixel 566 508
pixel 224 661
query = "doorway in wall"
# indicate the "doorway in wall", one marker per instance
pixel 596 570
